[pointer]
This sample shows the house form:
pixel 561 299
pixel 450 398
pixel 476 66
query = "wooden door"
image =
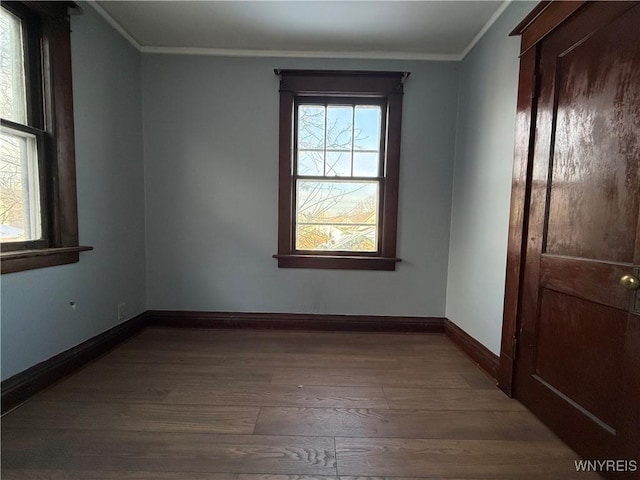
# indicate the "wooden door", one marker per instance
pixel 578 365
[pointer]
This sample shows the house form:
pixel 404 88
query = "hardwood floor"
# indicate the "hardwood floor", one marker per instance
pixel 173 404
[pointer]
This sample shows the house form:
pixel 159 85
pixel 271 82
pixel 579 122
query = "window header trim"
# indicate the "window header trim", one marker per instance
pixel 340 83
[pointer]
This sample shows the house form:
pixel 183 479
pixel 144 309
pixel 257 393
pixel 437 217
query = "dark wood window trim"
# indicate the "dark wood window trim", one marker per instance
pixel 382 87
pixel 51 90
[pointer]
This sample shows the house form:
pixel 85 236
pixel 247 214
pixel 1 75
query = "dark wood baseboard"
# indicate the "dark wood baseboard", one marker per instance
pixel 23 385
pixel 481 355
pixel 296 321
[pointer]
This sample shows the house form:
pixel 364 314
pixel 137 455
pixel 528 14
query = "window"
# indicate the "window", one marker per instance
pixel 38 214
pixel 339 169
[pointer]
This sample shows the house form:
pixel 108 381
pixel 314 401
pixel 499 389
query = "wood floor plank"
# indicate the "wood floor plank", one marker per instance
pixel 351 477
pixel 451 399
pixel 524 476
pixel 328 343
pixel 455 458
pixel 477 378
pixel 283 337
pixel 317 477
pixel 171 452
pixel 178 354
pixel 170 372
pixel 107 382
pixel 370 422
pixel 133 417
pixel 247 360
pixel 379 377
pixel 259 394
pixel 111 475
pixel 19 444
pixel 141 390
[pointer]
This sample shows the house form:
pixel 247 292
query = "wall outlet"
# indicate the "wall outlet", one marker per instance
pixel 122 311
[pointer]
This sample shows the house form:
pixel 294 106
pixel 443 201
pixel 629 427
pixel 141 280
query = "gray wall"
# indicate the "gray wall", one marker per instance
pixel 211 160
pixel 37 320
pixel 482 180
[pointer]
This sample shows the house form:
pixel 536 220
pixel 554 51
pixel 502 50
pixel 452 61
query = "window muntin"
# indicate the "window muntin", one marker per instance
pixel 341 141
pixel 13 89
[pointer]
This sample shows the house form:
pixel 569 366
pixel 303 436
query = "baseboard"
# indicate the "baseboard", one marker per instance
pixel 481 355
pixel 23 385
pixel 296 321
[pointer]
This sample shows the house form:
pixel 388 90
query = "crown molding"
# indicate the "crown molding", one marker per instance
pixel 484 29
pixel 114 23
pixel 374 55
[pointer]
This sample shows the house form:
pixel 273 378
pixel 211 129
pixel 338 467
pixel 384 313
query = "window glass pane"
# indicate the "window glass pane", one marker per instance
pixel 339 128
pixel 339 141
pixel 20 218
pixel 310 162
pixel 367 127
pixel 311 124
pixel 345 238
pixel 338 164
pixel 366 164
pixel 13 94
pixel 337 215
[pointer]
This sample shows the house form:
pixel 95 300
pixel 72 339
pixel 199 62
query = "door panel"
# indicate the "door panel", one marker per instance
pixel 578 364
pixel 586 336
pixel 593 209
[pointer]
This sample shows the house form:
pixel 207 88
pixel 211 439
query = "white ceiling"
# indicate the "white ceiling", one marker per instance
pixel 359 29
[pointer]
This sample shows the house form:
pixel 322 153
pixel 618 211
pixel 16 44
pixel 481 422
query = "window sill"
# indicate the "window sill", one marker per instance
pixel 336 262
pixel 47 257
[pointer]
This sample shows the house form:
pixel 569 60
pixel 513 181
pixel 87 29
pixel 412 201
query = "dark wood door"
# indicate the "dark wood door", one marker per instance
pixel 578 367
